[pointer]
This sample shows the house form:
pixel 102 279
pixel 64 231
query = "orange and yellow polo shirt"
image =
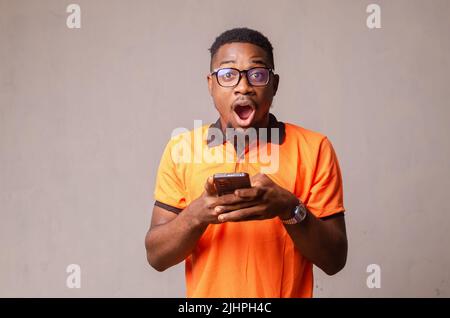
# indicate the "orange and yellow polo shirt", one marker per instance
pixel 253 258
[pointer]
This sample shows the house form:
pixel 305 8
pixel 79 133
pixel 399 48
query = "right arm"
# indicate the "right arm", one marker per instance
pixel 171 237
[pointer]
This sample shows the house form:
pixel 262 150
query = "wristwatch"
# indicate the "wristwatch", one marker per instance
pixel 300 214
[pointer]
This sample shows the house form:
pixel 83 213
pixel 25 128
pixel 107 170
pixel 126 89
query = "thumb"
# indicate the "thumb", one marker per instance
pixel 209 186
pixel 260 180
pixel 256 180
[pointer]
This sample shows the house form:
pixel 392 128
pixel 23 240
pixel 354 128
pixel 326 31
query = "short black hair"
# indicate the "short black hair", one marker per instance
pixel 244 35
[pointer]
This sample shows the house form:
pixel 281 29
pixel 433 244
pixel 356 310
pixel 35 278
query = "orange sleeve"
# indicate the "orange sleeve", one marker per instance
pixel 326 195
pixel 169 188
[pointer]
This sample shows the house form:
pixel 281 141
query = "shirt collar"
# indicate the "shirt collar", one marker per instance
pixel 273 123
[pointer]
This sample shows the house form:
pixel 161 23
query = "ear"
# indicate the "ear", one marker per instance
pixel 209 78
pixel 276 81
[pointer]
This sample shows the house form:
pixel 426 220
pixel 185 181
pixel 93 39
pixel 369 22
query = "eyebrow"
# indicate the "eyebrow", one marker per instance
pixel 259 61
pixel 255 61
pixel 226 62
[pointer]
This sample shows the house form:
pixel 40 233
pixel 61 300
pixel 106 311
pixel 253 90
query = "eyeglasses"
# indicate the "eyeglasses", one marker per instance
pixel 230 77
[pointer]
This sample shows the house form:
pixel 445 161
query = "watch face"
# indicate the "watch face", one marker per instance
pixel 300 213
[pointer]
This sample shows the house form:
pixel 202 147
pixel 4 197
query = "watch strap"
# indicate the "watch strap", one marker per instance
pixel 299 215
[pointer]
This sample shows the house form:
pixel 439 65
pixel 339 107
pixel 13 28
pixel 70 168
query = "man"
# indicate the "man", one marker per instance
pixel 260 241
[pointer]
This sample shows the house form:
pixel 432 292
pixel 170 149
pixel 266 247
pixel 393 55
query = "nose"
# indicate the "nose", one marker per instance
pixel 243 87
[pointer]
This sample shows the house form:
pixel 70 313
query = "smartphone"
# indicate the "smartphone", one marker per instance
pixel 226 183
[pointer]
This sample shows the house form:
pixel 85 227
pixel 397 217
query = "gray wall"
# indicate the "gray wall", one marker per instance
pixel 85 114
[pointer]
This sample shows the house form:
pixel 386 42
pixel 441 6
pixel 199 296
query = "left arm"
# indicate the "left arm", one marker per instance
pixel 322 241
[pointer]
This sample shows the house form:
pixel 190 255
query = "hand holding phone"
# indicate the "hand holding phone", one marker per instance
pixel 227 183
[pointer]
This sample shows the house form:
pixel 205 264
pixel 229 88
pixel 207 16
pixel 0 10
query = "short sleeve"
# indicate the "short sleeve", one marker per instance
pixel 326 196
pixel 169 189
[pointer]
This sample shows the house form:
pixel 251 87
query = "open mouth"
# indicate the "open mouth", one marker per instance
pixel 244 112
pixel 244 115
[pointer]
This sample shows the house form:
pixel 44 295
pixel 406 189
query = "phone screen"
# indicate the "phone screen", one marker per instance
pixel 226 183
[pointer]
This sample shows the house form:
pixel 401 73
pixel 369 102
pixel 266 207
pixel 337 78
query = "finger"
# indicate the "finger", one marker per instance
pixel 250 193
pixel 253 212
pixel 228 199
pixel 233 207
pixel 260 180
pixel 254 180
pixel 209 186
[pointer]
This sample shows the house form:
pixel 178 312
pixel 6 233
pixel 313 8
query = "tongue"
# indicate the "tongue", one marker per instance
pixel 243 111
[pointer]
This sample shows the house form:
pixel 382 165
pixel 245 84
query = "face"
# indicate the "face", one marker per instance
pixel 243 105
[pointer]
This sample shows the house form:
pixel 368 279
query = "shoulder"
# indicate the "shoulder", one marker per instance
pixel 183 136
pixel 304 137
pixel 314 148
pixel 183 143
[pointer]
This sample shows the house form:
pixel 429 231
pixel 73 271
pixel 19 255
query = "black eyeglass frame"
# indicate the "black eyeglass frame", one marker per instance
pixel 240 75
